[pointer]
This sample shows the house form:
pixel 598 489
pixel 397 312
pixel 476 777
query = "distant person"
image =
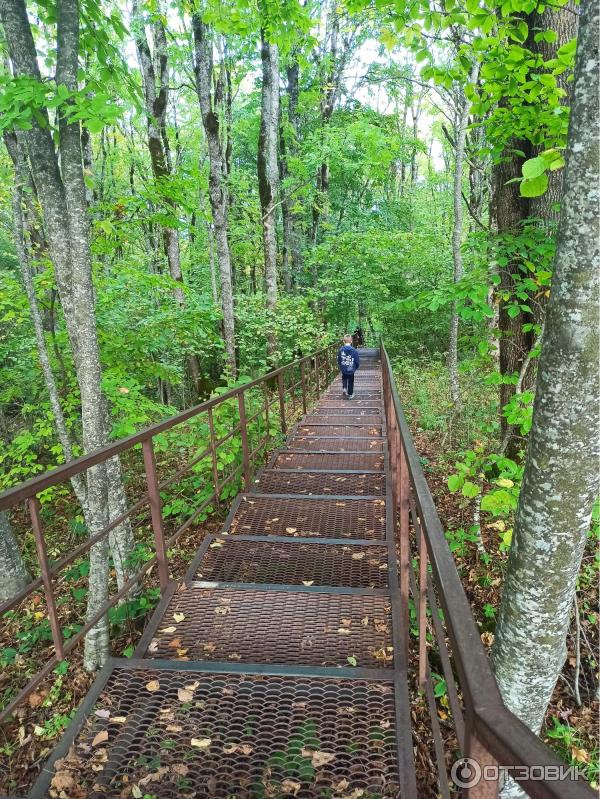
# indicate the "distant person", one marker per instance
pixel 358 337
pixel 348 361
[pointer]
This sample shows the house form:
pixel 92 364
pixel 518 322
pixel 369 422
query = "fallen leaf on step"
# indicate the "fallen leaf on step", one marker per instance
pixel 100 738
pixel 179 617
pixel 201 743
pixel 152 686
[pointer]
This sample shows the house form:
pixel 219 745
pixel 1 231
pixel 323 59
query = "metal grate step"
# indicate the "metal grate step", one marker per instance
pixel 335 443
pixel 335 462
pixel 328 518
pixel 246 626
pixel 178 733
pixel 231 560
pixel 276 481
pixel 339 430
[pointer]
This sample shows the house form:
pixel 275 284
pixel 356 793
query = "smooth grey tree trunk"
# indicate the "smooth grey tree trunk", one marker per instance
pixel 60 187
pixel 13 572
pixel 217 187
pixel 561 474
pixel 268 173
pixel 457 232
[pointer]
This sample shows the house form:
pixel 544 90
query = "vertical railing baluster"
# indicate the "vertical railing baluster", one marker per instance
pixel 40 545
pixel 281 393
pixel 303 379
pixel 422 608
pixel 266 408
pixel 156 513
pixel 244 435
pixel 476 751
pixel 317 375
pixel 213 455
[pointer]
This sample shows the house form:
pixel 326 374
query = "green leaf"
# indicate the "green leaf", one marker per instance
pixel 534 167
pixel 535 187
pixel 455 481
pixel 469 489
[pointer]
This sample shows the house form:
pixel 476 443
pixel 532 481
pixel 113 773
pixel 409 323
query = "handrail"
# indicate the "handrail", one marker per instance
pixel 30 488
pixel 493 734
pixel 309 386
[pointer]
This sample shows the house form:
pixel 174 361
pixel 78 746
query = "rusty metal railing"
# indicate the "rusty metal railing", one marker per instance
pixel 264 408
pixel 484 729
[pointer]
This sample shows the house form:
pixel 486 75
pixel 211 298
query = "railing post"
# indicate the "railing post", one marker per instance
pixel 280 391
pixel 317 375
pixel 422 609
pixel 244 435
pixel 40 545
pixel 477 752
pixel 303 379
pixel 213 455
pixel 156 513
pixel 403 518
pixel 266 407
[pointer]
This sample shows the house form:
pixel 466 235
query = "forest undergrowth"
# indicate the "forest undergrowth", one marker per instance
pixel 479 544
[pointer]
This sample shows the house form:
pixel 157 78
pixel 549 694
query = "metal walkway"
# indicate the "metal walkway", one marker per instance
pixel 276 668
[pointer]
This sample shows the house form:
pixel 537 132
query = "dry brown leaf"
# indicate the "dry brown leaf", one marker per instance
pixel 119 719
pixel 318 758
pixel 346 622
pixel 209 647
pixel 173 728
pixel 308 582
pixel 234 656
pixel 152 686
pixel 343 631
pixel 201 743
pixel 222 610
pixel 358 555
pixel 180 768
pixel 100 738
pixel 184 695
pixel 175 643
pixel 291 529
pixel 290 787
pixel 168 630
pixel 179 617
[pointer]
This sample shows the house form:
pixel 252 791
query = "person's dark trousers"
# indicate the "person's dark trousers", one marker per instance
pixel 348 384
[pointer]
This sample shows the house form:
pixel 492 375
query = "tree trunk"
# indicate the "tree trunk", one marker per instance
pixel 217 189
pixel 560 481
pixel 564 21
pixel 460 139
pixel 62 196
pixel 268 173
pixel 13 572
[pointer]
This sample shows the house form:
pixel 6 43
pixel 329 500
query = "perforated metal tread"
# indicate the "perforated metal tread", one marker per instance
pixel 181 735
pixel 334 462
pixel 337 443
pixel 277 481
pixel 296 516
pixel 281 620
pixel 246 626
pixel 230 560
pixel 343 430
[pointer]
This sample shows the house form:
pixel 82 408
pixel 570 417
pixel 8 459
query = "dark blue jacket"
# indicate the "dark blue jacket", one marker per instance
pixel 348 359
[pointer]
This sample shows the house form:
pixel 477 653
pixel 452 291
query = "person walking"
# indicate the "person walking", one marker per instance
pixel 348 361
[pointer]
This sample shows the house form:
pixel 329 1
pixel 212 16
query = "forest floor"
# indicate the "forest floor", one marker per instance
pixel 571 724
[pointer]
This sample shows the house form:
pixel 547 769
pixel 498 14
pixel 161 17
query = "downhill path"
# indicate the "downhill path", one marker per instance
pixel 275 669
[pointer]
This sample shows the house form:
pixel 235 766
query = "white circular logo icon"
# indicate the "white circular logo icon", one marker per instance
pixel 465 773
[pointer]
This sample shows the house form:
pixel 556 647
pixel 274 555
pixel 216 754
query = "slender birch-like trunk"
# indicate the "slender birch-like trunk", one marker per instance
pixel 13 572
pixel 561 473
pixel 457 231
pixel 268 173
pixel 60 187
pixel 217 187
